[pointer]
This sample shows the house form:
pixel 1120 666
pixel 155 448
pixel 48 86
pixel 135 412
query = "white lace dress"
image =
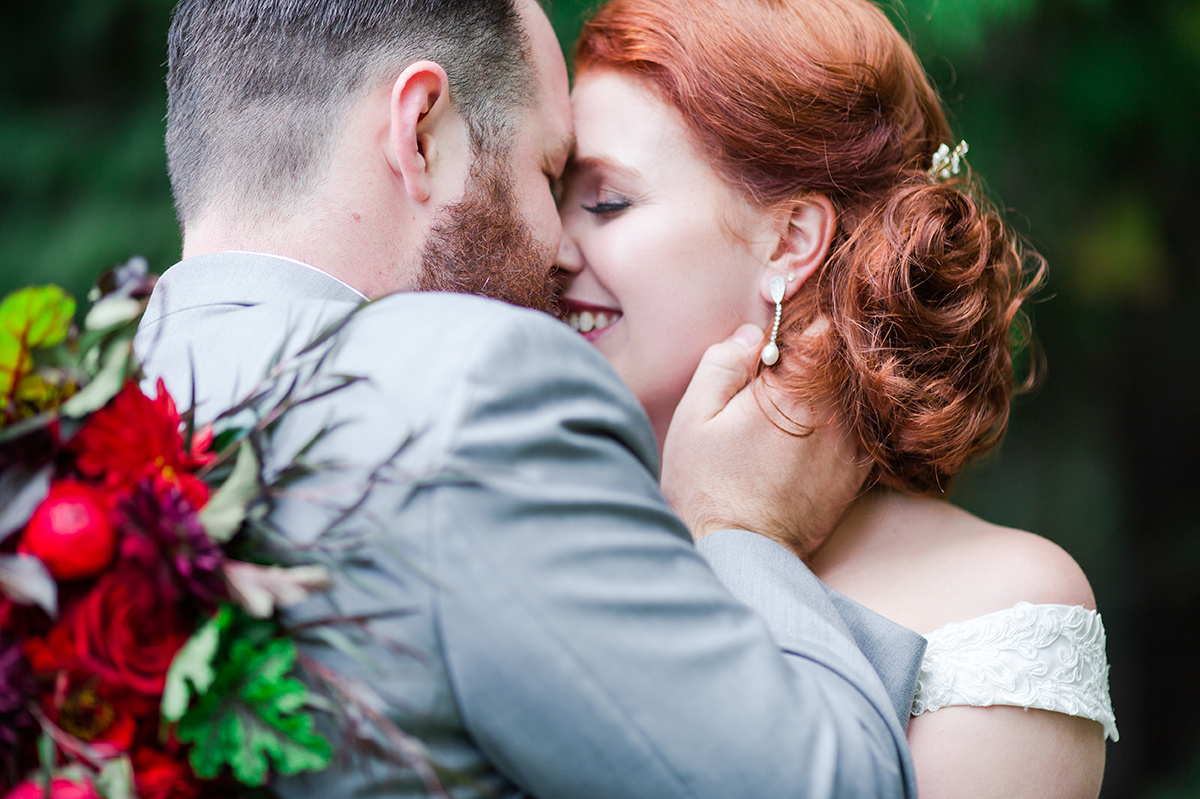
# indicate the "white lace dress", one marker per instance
pixel 1043 656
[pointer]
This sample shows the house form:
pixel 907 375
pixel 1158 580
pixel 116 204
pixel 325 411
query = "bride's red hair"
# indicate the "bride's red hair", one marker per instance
pixel 924 282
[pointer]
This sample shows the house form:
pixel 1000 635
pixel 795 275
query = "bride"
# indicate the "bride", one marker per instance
pixel 787 163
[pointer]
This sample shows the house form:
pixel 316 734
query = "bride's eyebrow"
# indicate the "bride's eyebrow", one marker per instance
pixel 602 164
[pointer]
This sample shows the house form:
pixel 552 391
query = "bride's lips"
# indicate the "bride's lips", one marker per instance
pixel 589 320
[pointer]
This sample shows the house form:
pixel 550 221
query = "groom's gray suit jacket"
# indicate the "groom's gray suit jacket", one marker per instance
pixel 568 640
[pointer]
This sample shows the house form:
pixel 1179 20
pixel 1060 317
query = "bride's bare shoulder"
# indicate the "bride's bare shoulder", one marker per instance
pixel 1001 566
pixel 925 563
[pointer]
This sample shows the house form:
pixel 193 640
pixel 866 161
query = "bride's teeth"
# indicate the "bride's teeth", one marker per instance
pixel 601 321
pixel 573 321
pixel 586 322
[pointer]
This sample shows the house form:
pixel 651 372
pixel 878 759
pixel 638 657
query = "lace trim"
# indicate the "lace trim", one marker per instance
pixel 1049 657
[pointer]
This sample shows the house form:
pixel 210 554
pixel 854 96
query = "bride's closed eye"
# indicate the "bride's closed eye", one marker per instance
pixel 606 207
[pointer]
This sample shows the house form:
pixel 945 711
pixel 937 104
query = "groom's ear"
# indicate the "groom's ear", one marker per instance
pixel 806 229
pixel 425 133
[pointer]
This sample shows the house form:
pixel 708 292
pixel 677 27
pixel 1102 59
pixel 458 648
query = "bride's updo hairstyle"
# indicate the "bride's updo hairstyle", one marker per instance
pixel 923 283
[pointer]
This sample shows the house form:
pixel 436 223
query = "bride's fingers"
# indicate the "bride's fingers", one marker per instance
pixel 724 370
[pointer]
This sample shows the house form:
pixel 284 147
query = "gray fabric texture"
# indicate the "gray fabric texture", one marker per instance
pixel 563 636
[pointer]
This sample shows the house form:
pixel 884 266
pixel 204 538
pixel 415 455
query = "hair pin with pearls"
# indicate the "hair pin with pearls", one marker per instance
pixel 946 162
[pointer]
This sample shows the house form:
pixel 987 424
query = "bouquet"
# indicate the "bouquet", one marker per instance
pixel 142 653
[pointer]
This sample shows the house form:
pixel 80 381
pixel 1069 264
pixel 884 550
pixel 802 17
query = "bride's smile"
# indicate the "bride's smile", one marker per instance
pixel 588 319
pixel 664 257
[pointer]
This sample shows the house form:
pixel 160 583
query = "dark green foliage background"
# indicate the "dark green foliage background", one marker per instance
pixel 1082 115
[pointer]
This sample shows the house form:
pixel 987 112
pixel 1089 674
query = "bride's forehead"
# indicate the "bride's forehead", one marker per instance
pixel 613 110
pixel 622 125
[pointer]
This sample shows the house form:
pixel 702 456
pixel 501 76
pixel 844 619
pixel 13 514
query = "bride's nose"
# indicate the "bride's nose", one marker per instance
pixel 570 259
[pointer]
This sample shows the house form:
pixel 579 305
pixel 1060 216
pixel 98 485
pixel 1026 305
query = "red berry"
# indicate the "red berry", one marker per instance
pixel 71 531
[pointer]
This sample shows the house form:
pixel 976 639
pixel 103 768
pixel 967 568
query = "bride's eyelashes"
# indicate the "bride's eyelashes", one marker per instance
pixel 607 207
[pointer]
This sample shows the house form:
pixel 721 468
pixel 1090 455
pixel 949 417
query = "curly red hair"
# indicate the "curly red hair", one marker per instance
pixel 923 285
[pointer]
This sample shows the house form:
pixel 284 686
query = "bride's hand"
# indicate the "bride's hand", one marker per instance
pixel 727 464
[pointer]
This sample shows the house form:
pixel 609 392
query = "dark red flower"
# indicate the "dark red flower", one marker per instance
pixel 119 637
pixel 92 712
pixel 60 788
pixel 71 531
pixel 79 701
pixel 165 539
pixel 125 634
pixel 135 437
pixel 158 776
pixel 54 652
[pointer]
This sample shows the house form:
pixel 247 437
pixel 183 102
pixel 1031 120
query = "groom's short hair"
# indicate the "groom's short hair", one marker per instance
pixel 258 89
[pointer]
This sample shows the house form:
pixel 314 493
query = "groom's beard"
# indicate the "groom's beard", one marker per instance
pixel 481 245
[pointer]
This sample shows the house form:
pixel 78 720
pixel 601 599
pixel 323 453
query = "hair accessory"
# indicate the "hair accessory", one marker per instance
pixel 770 353
pixel 946 162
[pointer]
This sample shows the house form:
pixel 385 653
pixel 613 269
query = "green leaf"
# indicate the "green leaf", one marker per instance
pixel 21 491
pixel 34 317
pixel 25 580
pixel 38 315
pixel 253 718
pixel 222 517
pixel 15 363
pixel 227 437
pixel 193 666
pixel 262 589
pixel 113 373
pixel 339 641
pixel 47 754
pixel 112 312
pixel 115 780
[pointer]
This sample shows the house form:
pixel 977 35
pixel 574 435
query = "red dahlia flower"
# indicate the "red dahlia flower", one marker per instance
pixel 164 539
pixel 135 437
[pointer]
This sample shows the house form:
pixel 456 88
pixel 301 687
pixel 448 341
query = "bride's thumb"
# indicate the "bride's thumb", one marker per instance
pixel 724 370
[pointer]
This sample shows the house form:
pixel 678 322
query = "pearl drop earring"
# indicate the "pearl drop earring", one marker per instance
pixel 770 353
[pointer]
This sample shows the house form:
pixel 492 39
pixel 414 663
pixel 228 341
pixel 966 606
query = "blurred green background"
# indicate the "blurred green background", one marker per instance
pixel 1081 115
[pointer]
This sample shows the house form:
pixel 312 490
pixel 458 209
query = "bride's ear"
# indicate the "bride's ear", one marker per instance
pixel 805 233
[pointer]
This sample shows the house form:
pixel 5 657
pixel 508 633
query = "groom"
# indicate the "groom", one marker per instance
pixel 571 642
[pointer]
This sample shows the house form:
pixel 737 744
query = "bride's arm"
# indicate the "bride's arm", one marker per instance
pixel 1006 753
